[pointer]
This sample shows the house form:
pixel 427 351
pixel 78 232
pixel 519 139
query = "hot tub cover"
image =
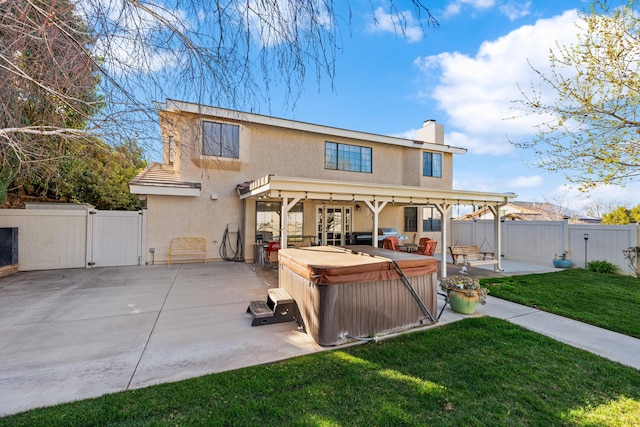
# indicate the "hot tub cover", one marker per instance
pixel 330 265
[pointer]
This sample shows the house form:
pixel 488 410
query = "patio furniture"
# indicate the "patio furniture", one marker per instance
pixel 272 247
pixel 472 256
pixel 409 247
pixel 392 243
pixel 426 246
pixel 181 246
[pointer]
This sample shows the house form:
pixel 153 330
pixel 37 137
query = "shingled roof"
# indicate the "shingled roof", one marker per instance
pixel 162 179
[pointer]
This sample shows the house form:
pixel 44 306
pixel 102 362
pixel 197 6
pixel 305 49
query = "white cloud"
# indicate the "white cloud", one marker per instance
pixel 477 93
pixel 524 182
pixel 402 23
pixel 512 9
pixel 452 9
pixel 607 194
pixel 515 10
pixel 455 7
pixel 477 144
pixel 521 185
pixel 407 134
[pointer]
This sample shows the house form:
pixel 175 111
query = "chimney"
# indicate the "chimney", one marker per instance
pixel 431 132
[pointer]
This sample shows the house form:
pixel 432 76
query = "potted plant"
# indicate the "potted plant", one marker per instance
pixel 464 292
pixel 562 261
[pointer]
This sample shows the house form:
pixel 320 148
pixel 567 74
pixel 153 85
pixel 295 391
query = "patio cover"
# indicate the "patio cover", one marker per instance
pixel 290 190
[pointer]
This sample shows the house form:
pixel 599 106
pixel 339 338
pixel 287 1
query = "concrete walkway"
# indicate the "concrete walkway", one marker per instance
pixel 611 345
pixel 74 334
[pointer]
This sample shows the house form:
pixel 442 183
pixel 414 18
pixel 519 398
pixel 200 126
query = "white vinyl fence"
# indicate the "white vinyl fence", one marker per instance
pixel 539 241
pixel 64 238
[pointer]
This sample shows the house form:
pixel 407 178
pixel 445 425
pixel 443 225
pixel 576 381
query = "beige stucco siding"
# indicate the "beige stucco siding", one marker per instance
pixel 267 150
pixel 170 217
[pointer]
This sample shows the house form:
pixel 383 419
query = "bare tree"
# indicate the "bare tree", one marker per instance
pixel 598 208
pixel 224 52
pixel 47 84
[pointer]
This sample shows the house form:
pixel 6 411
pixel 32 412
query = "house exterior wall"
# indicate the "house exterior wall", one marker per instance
pixel 265 150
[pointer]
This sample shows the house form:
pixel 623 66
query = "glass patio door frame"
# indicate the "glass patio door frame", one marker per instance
pixel 327 236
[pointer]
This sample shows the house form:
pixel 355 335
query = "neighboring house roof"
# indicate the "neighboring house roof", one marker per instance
pixel 187 107
pixel 161 179
pixel 533 211
pixel 555 212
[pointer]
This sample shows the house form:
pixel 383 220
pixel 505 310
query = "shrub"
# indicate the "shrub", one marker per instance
pixel 602 267
pixel 466 283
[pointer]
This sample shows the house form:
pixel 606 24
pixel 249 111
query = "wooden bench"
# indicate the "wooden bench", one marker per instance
pixel 472 256
pixel 181 246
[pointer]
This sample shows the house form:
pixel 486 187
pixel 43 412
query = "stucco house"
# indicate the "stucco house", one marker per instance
pixel 233 177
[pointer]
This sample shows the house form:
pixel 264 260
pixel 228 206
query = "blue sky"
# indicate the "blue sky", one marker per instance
pixel 463 74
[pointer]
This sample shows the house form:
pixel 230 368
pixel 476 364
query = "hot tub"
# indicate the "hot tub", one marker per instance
pixel 357 292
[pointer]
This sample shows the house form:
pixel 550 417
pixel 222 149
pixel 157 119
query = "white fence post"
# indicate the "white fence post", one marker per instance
pixel 566 237
pixel 503 237
pixel 89 244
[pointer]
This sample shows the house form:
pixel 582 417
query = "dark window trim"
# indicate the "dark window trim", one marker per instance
pixel 411 219
pixel 430 223
pixel 335 162
pixel 428 166
pixel 229 152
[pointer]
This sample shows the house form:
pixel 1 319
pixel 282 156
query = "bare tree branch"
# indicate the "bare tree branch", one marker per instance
pixel 73 71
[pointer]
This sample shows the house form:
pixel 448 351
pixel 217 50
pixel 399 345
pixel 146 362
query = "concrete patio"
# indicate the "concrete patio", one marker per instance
pixel 73 334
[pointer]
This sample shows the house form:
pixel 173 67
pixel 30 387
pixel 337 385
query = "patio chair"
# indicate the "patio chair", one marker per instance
pixel 426 246
pixel 392 243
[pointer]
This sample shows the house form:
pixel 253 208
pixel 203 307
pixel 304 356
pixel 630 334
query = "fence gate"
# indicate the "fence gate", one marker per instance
pixel 55 238
pixel 115 238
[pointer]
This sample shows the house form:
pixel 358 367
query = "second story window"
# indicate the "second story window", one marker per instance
pixel 432 164
pixel 220 139
pixel 346 157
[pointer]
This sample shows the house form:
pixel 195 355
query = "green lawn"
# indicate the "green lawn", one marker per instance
pixel 476 372
pixel 611 301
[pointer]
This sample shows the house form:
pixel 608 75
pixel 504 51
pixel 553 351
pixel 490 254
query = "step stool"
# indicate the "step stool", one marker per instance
pixel 279 307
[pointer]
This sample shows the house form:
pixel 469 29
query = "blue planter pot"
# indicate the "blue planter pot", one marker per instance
pixel 562 263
